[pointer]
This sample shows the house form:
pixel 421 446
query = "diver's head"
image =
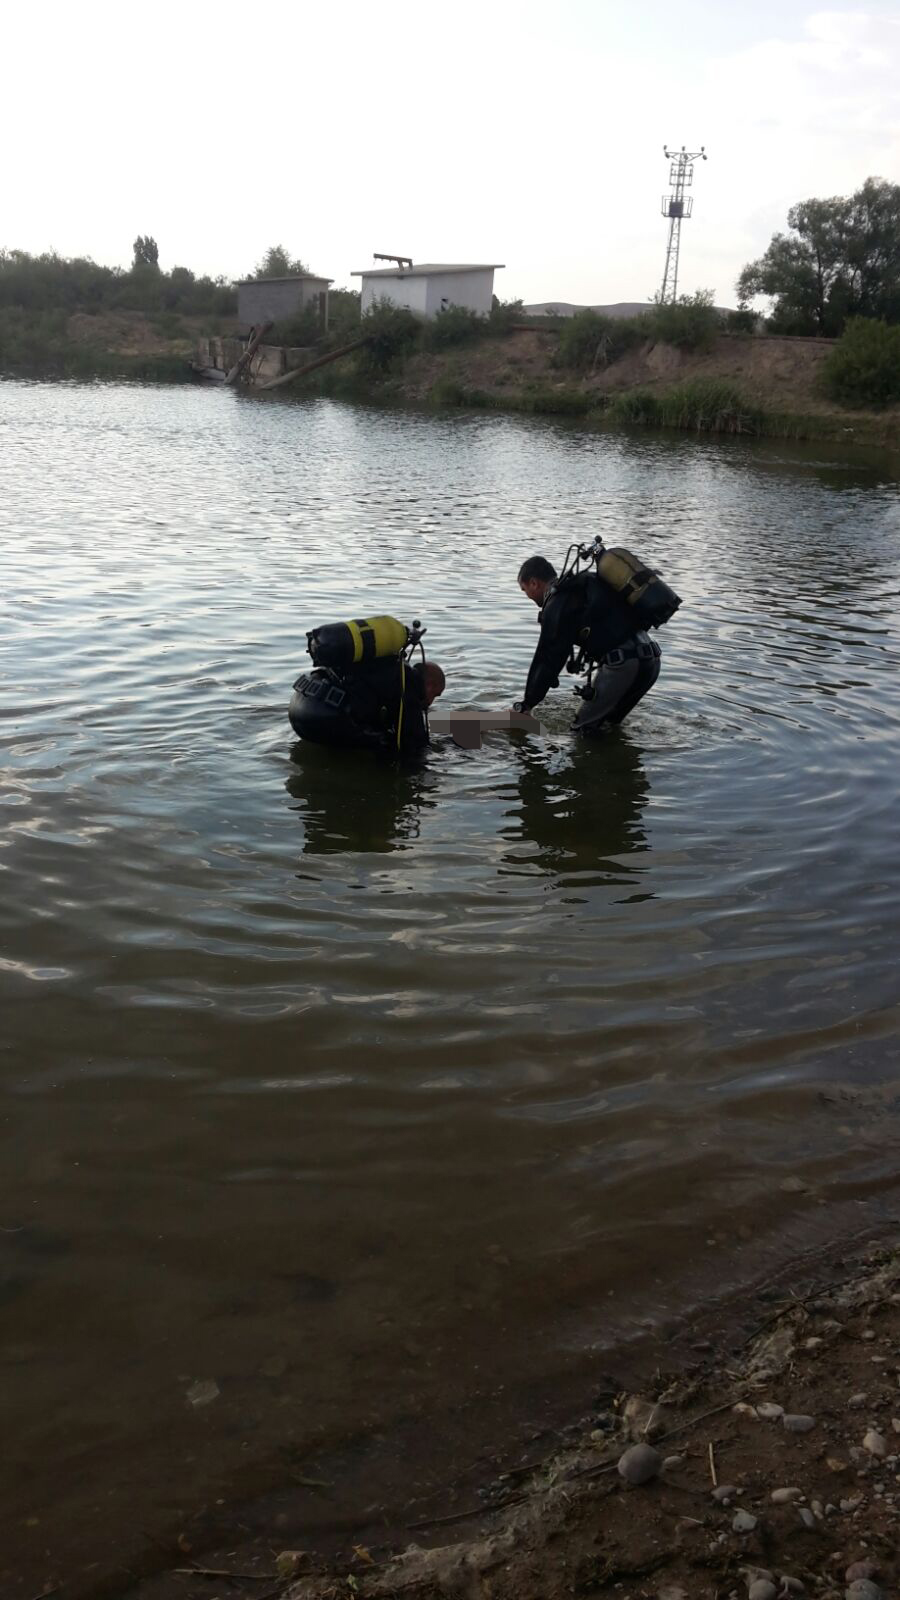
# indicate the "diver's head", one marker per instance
pixel 432 679
pixel 535 578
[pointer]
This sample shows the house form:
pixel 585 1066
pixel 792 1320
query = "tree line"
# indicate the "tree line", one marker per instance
pixel 50 282
pixel 839 259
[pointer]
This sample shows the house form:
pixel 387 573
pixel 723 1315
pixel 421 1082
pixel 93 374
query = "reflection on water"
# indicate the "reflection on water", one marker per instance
pixel 360 1092
pixel 350 802
pixel 579 812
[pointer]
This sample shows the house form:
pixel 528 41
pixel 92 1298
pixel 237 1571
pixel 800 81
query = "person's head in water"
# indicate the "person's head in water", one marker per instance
pixel 535 578
pixel 432 680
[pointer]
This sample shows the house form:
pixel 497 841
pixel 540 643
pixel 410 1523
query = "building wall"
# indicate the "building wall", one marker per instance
pixel 268 301
pixel 474 290
pixel 425 296
pixel 400 289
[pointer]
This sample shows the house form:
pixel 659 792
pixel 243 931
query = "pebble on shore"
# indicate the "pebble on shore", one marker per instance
pixel 762 1589
pixel 864 1589
pixel 796 1422
pixel 640 1464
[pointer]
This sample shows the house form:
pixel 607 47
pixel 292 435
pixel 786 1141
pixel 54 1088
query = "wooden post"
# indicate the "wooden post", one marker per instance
pixel 247 356
pixel 322 361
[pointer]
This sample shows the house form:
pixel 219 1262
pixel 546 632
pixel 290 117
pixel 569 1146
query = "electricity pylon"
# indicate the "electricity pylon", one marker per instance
pixel 676 206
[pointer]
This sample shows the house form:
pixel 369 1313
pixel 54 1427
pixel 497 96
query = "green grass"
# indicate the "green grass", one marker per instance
pixel 712 405
pixel 699 406
pixel 536 399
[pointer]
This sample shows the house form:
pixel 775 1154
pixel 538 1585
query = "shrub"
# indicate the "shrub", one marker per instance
pixel 344 315
pixel 392 333
pixel 504 315
pixel 303 328
pixel 863 369
pixel 742 321
pixel 589 338
pixel 690 323
pixel 452 327
pixel 580 339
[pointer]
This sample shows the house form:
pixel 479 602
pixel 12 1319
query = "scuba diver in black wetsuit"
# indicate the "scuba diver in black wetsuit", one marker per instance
pixel 363 691
pixel 594 618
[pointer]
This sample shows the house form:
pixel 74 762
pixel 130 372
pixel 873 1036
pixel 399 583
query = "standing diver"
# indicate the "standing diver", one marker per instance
pixel 593 618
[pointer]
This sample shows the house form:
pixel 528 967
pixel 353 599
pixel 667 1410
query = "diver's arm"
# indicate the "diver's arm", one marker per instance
pixel 551 654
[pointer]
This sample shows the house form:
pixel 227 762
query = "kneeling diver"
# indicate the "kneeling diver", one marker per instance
pixel 363 691
pixel 593 618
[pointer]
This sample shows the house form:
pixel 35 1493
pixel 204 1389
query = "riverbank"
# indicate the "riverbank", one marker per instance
pixel 764 386
pixel 769 1456
pixel 148 348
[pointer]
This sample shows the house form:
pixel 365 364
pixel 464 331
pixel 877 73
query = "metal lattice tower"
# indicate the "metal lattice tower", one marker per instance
pixel 676 206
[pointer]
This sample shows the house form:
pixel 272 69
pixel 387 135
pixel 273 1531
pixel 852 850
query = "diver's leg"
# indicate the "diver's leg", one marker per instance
pixel 647 674
pixel 611 686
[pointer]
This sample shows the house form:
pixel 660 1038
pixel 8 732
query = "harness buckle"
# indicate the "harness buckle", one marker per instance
pixel 614 658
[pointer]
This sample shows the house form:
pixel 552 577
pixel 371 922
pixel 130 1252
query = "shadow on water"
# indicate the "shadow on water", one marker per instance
pixel 350 801
pixel 579 812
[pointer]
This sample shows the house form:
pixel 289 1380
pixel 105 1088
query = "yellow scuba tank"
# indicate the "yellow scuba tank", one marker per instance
pixel 652 601
pixel 347 644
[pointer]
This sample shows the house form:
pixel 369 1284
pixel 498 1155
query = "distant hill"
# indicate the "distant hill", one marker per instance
pixel 564 308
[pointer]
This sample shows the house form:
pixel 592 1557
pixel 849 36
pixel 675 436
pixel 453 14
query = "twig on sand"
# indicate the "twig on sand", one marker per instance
pixel 712 1465
pixel 595 1470
pixel 476 1511
pixel 45 1593
pixel 221 1572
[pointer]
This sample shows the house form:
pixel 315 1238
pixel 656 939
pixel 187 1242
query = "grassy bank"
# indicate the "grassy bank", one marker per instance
pixel 698 406
pixel 756 387
pixel 675 368
pixel 153 348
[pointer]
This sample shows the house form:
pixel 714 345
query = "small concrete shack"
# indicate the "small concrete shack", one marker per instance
pixel 430 288
pixel 278 299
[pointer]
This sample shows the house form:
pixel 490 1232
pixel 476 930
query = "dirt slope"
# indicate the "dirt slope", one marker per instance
pixel 779 374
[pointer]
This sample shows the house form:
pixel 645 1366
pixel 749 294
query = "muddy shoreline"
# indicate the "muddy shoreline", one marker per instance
pixel 547 1514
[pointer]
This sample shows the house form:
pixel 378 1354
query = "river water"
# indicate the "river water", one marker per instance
pixel 331 1094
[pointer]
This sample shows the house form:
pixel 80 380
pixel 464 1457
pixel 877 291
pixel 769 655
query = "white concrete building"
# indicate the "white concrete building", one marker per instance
pixel 430 288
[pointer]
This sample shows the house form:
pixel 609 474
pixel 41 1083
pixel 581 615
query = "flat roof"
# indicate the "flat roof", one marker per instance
pixel 295 277
pixel 426 270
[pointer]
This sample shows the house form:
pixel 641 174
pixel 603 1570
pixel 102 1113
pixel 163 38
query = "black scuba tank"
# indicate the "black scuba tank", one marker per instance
pixel 340 645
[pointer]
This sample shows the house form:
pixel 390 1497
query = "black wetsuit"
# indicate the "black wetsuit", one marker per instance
pixel 585 612
pixel 361 707
pixel 374 695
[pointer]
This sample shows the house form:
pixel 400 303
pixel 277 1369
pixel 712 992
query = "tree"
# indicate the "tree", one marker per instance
pixel 840 260
pixel 146 252
pixel 277 263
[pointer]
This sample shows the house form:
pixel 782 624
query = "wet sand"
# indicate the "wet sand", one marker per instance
pixel 556 1519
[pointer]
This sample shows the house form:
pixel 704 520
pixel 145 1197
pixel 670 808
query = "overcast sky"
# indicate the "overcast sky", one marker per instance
pixel 523 133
